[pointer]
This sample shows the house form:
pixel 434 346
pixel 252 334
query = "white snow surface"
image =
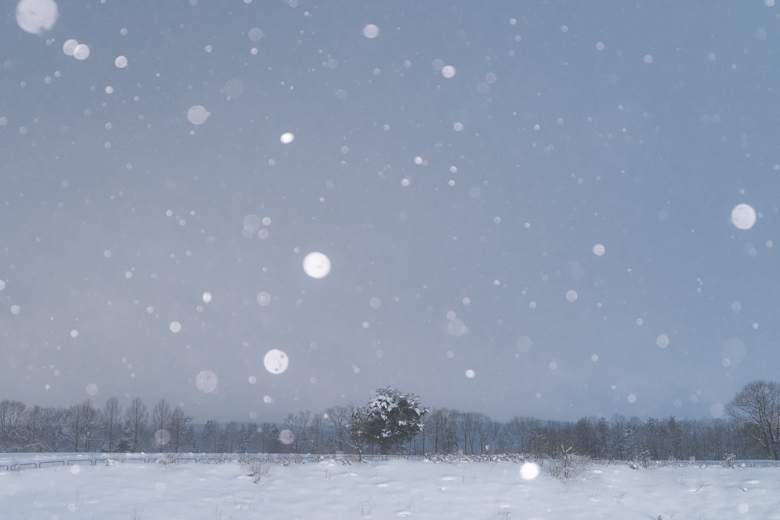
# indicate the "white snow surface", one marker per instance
pixel 384 489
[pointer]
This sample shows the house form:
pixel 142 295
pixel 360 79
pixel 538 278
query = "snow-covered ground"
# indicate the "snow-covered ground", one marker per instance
pixel 388 489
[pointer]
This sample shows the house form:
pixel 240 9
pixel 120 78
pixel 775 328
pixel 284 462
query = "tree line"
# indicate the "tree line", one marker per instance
pixel 394 422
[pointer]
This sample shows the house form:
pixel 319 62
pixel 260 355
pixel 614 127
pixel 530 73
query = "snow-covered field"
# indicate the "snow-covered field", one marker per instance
pixel 388 489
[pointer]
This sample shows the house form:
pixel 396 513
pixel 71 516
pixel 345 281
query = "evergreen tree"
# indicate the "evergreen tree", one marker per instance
pixel 584 437
pixel 243 440
pixel 191 440
pixel 638 454
pixel 674 444
pixel 210 436
pixel 229 438
pixel 617 437
pixel 652 436
pixel 254 440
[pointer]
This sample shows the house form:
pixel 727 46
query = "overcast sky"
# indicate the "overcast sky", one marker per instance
pixel 527 207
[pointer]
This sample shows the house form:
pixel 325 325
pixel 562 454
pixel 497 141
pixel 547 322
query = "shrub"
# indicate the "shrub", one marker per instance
pixel 569 466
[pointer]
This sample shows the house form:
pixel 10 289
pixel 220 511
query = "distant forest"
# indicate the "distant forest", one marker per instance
pixel 163 428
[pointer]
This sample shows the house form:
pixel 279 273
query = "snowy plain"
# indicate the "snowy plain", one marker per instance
pixel 331 489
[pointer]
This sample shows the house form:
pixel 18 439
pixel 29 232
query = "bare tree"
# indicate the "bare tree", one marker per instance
pixel 267 438
pixel 136 418
pixel 11 425
pixel 756 408
pixel 81 426
pixel 521 432
pixel 489 432
pixel 92 426
pixel 35 430
pixel 316 435
pixel 466 426
pixel 161 417
pixel 112 423
pixel 177 427
pixel 339 419
pixel 53 427
pixel 296 424
pixel 71 427
pixel 443 431
pixel 358 429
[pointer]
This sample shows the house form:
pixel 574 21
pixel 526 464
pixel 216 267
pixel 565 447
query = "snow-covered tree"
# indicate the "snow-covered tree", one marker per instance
pixel 393 418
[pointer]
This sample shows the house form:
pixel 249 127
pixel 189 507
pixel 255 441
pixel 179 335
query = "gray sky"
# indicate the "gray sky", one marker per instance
pixel 459 214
